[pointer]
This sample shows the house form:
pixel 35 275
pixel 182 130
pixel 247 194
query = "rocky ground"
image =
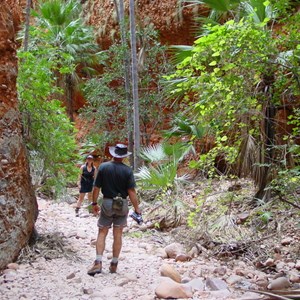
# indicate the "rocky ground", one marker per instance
pixel 152 265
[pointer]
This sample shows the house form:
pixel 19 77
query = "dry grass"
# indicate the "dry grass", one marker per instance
pixel 48 246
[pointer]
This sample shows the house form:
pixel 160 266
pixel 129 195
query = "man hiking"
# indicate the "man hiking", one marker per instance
pixel 116 181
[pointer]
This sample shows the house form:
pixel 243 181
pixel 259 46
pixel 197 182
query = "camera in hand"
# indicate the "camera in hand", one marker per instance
pixel 137 217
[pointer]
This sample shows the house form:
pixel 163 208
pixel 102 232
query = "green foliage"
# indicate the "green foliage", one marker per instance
pixel 58 24
pixel 105 94
pixel 223 81
pixel 222 74
pixel 161 174
pixel 58 42
pixel 48 133
pixel 182 126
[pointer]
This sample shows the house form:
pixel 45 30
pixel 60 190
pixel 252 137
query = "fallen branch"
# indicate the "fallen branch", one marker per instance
pixel 289 202
pixel 282 295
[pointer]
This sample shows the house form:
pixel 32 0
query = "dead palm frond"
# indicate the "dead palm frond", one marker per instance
pixel 248 156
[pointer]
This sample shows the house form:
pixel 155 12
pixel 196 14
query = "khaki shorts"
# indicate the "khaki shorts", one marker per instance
pixel 109 216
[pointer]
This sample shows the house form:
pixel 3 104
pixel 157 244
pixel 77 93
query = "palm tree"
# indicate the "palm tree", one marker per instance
pixel 60 25
pixel 221 10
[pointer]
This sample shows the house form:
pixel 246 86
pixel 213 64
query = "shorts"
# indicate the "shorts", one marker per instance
pixel 109 216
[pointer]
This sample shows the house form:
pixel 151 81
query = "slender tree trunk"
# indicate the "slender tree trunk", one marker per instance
pixel 121 19
pixel 269 140
pixel 69 95
pixel 136 122
pixel 27 23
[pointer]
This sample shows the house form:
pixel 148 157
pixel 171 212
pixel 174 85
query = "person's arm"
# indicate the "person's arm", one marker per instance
pixel 134 199
pixel 79 177
pixel 95 195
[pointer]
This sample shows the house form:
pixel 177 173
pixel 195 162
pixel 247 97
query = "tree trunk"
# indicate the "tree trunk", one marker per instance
pixel 27 24
pixel 268 140
pixel 69 89
pixel 121 20
pixel 18 206
pixel 135 96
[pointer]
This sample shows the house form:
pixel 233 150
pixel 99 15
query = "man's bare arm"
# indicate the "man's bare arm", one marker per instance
pixel 96 192
pixel 134 200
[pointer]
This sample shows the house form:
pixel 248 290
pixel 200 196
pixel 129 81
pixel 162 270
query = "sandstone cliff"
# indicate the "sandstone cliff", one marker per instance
pixel 18 206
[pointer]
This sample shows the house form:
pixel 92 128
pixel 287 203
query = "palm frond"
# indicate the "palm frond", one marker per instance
pixel 248 157
pixel 180 53
pixel 153 153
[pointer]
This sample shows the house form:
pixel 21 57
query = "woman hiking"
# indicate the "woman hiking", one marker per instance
pixel 85 182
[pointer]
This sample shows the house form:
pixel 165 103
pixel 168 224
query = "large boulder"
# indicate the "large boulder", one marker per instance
pixel 18 206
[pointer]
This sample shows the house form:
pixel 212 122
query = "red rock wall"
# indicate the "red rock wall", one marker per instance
pixel 18 206
pixel 173 21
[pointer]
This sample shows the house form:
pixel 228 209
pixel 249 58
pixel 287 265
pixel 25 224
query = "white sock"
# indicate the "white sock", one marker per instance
pixel 99 258
pixel 114 259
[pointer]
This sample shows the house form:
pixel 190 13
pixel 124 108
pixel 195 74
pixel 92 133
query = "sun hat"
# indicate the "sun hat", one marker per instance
pixel 119 151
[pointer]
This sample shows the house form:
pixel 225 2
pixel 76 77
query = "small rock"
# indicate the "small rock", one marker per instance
pixel 291 265
pixel 185 280
pixel 241 218
pixel 13 266
pixel 262 282
pixel 169 271
pixel 171 289
pixel 173 250
pixel 160 252
pixel 286 241
pixel 88 291
pixel 182 257
pixel 279 284
pixel 280 266
pixel 269 262
pixel 131 277
pixel 81 234
pixel 196 284
pixel 277 249
pixel 220 271
pixel 71 276
pixel 294 277
pixel 194 252
pixel 241 272
pixel 10 277
pixel 233 279
pixel 76 280
pixel 215 284
pixel 297 265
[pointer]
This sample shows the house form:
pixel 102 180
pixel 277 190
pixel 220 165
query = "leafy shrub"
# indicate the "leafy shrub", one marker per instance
pixel 48 132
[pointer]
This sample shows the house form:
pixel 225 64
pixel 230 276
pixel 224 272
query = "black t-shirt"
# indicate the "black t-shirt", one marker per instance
pixel 114 178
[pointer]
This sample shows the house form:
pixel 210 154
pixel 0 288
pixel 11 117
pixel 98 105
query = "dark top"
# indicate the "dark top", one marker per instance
pixel 87 180
pixel 114 178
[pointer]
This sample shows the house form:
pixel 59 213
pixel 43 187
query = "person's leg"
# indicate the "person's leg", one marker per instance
pixel 104 223
pixel 90 197
pixel 119 223
pixel 100 244
pixel 79 203
pixel 117 244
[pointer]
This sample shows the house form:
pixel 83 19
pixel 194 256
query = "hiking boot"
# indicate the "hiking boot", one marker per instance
pixel 77 211
pixel 113 267
pixel 95 269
